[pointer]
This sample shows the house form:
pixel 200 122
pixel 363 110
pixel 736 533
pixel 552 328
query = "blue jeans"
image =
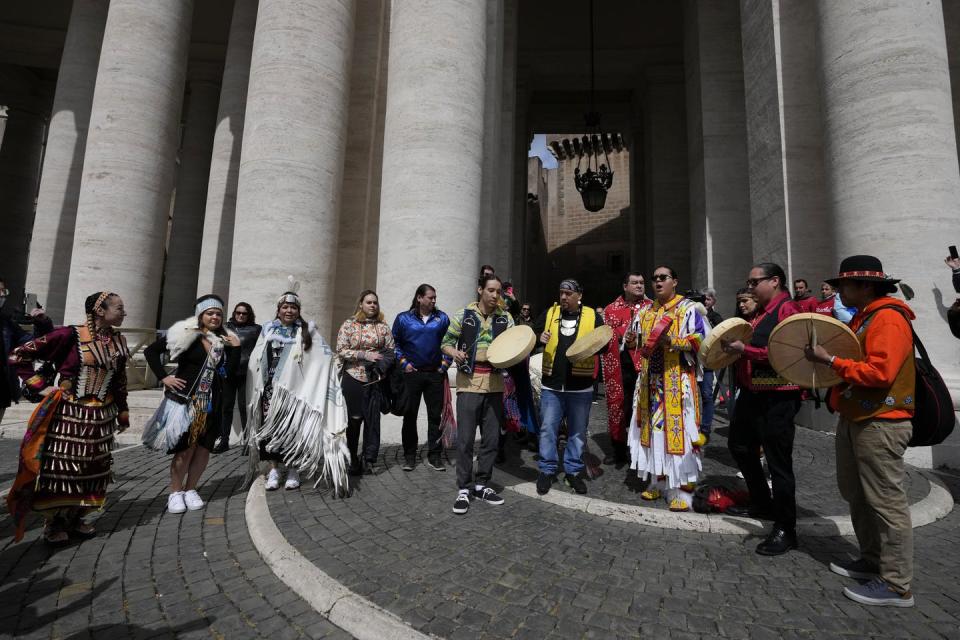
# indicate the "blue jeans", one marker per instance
pixel 706 396
pixel 554 406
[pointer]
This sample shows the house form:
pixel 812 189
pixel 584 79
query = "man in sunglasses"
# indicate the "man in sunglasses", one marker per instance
pixel 766 408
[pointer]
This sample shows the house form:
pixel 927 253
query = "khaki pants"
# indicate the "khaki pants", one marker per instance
pixel 870 474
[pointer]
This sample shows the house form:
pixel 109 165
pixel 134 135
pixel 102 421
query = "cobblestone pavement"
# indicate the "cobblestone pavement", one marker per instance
pixel 9 447
pixel 149 574
pixel 813 460
pixel 529 569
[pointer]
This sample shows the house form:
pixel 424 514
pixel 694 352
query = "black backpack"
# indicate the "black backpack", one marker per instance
pixel 933 418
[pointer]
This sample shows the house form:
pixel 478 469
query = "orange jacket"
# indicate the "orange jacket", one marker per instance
pixel 888 342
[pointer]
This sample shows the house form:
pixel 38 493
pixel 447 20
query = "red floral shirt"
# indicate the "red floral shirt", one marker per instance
pixel 357 338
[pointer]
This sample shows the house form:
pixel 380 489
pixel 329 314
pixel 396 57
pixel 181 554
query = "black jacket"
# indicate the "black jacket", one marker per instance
pixel 248 334
pixel 189 363
pixel 11 337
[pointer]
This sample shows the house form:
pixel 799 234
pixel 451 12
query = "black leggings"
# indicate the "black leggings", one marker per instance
pixel 361 410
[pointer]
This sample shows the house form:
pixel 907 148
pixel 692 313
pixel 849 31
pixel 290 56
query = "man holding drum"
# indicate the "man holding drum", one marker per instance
pixel 621 363
pixel 479 390
pixel 875 407
pixel 766 407
pixel 567 387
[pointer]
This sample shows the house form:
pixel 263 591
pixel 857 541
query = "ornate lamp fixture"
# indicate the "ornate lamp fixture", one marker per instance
pixel 597 179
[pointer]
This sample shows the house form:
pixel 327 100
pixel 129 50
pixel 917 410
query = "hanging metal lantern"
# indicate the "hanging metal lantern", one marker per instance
pixel 594 182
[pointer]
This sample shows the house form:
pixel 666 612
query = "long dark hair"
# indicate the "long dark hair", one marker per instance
pixel 482 282
pixel 303 325
pixel 421 291
pixel 251 316
pixel 773 270
pixel 93 302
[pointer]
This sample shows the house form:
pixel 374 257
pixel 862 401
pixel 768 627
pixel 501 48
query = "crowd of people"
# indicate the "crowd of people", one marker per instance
pixel 304 404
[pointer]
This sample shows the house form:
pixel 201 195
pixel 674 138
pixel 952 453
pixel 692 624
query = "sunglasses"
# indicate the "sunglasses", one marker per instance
pixel 753 282
pixel 240 313
pixel 661 277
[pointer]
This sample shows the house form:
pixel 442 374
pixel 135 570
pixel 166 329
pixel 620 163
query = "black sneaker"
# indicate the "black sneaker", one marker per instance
pixel 575 482
pixel 462 504
pixel 858 569
pixel 436 463
pixel 488 495
pixel 409 462
pixel 544 481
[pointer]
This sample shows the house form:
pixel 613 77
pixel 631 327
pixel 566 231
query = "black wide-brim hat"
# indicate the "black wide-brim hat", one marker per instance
pixel 863 268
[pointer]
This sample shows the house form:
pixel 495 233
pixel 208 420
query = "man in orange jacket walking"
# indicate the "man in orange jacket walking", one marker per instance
pixel 875 406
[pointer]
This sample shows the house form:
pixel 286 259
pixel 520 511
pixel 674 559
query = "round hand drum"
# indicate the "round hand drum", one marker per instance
pixel 590 344
pixel 787 340
pixel 712 354
pixel 511 346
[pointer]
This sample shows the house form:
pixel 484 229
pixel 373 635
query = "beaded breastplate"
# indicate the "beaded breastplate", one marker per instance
pixel 100 359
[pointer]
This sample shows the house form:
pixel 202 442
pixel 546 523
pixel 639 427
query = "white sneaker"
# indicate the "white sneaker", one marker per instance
pixel 273 480
pixel 293 479
pixel 175 502
pixel 193 500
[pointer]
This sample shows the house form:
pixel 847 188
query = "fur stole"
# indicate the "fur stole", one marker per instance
pixel 182 335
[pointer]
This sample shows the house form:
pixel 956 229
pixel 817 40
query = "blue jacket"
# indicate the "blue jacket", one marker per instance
pixel 418 342
pixel 11 337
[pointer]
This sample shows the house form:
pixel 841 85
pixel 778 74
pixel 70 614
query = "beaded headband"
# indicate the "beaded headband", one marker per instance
pixel 289 298
pixel 101 299
pixel 208 303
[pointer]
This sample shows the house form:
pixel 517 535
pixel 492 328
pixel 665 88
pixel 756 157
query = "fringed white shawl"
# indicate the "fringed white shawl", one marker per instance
pixel 307 418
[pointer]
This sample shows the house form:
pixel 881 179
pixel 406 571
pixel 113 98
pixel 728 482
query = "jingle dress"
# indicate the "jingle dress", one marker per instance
pixel 65 456
pixel 191 416
pixel 665 428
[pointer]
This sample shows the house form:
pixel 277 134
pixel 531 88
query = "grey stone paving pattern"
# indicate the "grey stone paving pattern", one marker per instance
pixel 528 569
pixel 813 462
pixel 149 574
pixel 9 449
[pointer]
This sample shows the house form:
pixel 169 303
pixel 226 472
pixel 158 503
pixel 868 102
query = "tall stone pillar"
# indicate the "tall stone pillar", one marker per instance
pixel 492 237
pixel 891 154
pixel 52 243
pixel 360 203
pixel 788 209
pixel 186 231
pixel 667 217
pixel 130 160
pixel 291 164
pixel 19 173
pixel 432 173
pixel 716 148
pixel 218 220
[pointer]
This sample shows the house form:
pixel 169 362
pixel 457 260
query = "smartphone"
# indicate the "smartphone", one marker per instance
pixel 30 303
pixel 953 252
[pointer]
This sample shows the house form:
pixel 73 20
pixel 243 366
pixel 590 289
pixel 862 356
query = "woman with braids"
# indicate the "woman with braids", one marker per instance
pixel 65 457
pixel 297 416
pixel 187 422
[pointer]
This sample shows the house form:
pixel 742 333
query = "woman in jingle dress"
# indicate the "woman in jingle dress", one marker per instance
pixel 187 422
pixel 65 459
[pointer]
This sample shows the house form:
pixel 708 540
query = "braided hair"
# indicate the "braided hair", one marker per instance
pixel 93 302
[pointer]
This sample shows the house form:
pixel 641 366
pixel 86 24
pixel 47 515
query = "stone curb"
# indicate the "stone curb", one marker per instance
pixel 353 613
pixel 937 504
pixel 17 429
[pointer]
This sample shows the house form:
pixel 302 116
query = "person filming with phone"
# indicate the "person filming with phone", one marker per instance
pixel 953 313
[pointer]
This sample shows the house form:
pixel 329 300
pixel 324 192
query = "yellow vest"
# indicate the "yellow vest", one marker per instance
pixel 588 321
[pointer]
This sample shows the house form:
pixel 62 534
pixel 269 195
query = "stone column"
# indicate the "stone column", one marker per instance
pixel 432 173
pixel 789 218
pixel 717 149
pixel 52 242
pixel 492 238
pixel 218 220
pixel 891 154
pixel 667 217
pixel 360 203
pixel 130 160
pixel 291 164
pixel 19 173
pixel 182 264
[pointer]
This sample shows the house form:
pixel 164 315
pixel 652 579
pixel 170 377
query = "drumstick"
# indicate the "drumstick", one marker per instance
pixel 813 343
